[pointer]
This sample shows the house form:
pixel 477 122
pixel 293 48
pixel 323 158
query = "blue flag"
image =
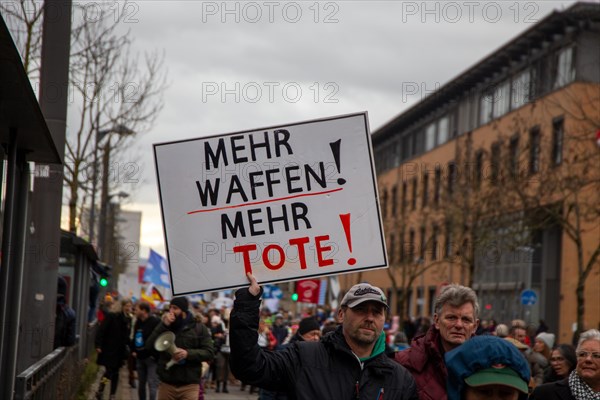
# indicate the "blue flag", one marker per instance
pixel 156 270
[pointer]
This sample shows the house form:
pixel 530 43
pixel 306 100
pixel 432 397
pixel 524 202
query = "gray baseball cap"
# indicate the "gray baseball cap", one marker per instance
pixel 363 292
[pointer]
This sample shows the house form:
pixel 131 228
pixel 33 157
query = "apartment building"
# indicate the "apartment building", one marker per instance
pixel 494 181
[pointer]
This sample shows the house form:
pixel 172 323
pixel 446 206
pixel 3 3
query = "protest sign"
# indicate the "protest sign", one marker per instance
pixel 285 203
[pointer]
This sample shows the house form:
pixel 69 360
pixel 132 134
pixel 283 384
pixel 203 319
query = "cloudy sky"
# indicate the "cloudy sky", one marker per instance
pixel 243 65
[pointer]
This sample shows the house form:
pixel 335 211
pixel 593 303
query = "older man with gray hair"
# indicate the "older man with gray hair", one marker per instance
pixel 454 321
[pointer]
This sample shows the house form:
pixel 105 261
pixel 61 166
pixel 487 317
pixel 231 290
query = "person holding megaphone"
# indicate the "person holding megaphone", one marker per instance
pixel 181 352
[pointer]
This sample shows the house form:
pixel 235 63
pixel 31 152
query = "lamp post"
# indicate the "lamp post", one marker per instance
pixel 100 134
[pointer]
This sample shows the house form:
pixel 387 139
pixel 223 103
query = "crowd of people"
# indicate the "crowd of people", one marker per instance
pixel 358 351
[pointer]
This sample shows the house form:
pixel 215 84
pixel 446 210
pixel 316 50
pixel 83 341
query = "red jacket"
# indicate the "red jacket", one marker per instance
pixel 425 361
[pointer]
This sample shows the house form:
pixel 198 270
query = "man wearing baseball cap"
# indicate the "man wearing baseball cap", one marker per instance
pixel 348 363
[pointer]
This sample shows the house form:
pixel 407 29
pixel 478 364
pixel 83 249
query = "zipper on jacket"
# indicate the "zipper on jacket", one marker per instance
pixel 357 394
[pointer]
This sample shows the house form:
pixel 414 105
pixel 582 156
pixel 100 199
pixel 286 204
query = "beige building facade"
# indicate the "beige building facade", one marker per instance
pixel 494 182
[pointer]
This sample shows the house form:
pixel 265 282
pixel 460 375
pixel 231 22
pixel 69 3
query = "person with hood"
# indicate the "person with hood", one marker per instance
pixel 455 322
pixel 64 326
pixel 347 363
pixel 193 345
pixel 487 368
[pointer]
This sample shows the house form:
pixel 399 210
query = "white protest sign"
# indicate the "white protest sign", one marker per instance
pixel 287 202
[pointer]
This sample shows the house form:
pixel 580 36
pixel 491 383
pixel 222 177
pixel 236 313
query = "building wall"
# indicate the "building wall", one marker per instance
pixel 542 113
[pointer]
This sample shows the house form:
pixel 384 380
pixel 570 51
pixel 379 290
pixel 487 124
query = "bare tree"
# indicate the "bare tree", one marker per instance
pixel 109 87
pixel 112 88
pixel 556 181
pixel 24 18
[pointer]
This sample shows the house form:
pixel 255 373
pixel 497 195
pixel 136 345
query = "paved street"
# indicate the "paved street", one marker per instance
pixel 125 392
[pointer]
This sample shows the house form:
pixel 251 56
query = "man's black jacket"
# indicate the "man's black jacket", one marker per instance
pixel 326 370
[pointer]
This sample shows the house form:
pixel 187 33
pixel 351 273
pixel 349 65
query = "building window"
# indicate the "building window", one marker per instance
pixel 448 244
pixel 384 198
pixel 423 244
pixel 534 150
pixel 565 73
pixel 514 156
pixel 425 188
pixel 485 107
pixel 392 249
pixel 430 137
pixel 403 204
pixel 437 183
pixel 478 167
pixel 414 193
pixel 402 253
pixel 394 201
pixel 451 177
pixel 434 242
pixel 521 89
pixel 407 147
pixel 558 132
pixel 495 163
pixel 443 130
pixel 411 246
pixel 501 100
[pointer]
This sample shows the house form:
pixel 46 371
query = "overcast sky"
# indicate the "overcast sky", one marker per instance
pixel 283 62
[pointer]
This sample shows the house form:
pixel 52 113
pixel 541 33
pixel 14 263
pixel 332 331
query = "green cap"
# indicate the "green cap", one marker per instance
pixel 497 375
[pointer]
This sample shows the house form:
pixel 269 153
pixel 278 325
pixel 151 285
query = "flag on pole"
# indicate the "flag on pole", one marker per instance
pixel 152 295
pixel 156 270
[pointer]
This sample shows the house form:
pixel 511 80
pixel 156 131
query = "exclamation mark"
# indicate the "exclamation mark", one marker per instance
pixel 345 218
pixel 335 149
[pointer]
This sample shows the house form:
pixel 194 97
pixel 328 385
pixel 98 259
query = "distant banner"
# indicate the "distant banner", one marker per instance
pixel 156 270
pixel 284 203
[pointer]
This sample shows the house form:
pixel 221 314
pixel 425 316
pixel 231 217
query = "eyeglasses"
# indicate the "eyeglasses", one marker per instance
pixel 585 354
pixel 557 359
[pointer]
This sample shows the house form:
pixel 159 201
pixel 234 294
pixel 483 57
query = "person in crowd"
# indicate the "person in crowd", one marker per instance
pixel 455 322
pixel 220 367
pixel 280 329
pixel 347 363
pixel 145 359
pixel 562 362
pixel 518 332
pixel 65 320
pixel 487 368
pixel 401 341
pixel 193 345
pixel 309 330
pixel 537 362
pixel 501 331
pixel 544 342
pixel 583 383
pixel 112 343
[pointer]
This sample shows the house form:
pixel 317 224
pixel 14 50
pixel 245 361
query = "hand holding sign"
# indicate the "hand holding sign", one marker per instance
pixel 254 289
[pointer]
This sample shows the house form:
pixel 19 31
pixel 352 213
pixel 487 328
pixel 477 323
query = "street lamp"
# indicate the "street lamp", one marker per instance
pixel 100 134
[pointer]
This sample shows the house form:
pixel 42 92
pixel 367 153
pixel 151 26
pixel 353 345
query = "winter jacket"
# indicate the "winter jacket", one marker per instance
pixel 425 361
pixel 558 390
pixel 311 370
pixel 141 332
pixel 193 337
pixel 113 339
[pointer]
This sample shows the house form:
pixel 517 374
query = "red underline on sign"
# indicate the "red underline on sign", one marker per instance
pixel 267 201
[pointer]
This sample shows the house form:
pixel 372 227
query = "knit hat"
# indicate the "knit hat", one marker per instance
pixel 547 338
pixel 181 302
pixel 485 360
pixel 307 325
pixel 363 292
